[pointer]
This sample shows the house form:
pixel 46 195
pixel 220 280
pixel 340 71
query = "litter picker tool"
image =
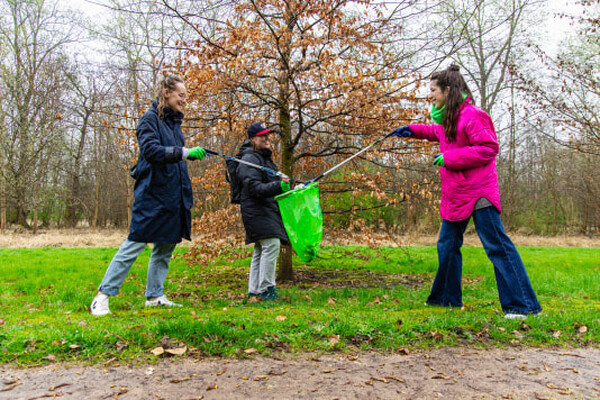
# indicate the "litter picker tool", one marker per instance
pixel 301 212
pixel 349 158
pixel 269 171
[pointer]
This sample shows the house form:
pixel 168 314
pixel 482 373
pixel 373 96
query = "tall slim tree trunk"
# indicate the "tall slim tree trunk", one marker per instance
pixel 285 271
pixel 2 195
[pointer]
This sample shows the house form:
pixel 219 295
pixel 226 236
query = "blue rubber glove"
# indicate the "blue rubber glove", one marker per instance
pixel 285 185
pixel 438 160
pixel 403 131
pixel 196 153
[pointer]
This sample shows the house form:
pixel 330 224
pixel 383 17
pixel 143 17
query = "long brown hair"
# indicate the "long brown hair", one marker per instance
pixel 166 81
pixel 451 78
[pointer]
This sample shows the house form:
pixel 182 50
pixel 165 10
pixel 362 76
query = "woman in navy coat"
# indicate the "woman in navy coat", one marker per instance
pixel 163 196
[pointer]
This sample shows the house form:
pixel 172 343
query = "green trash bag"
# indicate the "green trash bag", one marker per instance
pixel 302 219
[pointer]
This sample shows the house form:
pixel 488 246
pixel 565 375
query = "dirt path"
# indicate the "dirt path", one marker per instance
pixel 450 373
pixel 82 237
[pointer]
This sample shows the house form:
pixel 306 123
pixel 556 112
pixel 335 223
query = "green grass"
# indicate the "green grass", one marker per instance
pixel 348 299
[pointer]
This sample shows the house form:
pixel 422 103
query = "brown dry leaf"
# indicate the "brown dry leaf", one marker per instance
pixel 221 372
pixel 333 339
pixel 380 380
pixel 280 318
pixel 404 351
pixel 177 380
pixel 53 388
pixel 49 357
pixel 12 386
pixel 120 392
pixel 546 368
pixel 517 334
pixel 158 351
pixel 261 378
pixel 178 351
pixel 250 351
pixel 2 321
pixel 352 357
pixel 212 387
pixel 254 300
pixel 74 346
pixel 331 301
pixel 275 373
pixel 582 329
pixel 556 334
pixel 395 378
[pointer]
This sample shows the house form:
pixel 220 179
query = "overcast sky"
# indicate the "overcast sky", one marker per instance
pixel 556 28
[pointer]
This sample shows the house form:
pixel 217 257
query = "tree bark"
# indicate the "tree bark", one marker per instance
pixel 285 271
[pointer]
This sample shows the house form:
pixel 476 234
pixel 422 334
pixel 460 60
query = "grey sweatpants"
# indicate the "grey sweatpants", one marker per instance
pixel 263 265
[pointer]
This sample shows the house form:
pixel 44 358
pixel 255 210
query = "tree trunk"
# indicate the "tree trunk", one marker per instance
pixel 285 271
pixel 2 196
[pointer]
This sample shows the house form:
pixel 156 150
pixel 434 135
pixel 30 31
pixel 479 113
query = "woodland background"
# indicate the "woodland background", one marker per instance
pixel 330 76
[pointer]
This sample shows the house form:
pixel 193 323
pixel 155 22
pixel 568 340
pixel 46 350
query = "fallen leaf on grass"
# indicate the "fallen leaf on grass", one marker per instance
pixel 250 351
pixel 177 380
pixel 333 340
pixel 157 351
pixel 74 346
pixel 280 318
pixel 178 351
pixel 2 321
pixel 331 301
pixel 49 357
pixel 556 334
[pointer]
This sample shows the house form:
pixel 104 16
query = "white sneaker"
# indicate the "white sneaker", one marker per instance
pixel 161 301
pixel 514 316
pixel 99 305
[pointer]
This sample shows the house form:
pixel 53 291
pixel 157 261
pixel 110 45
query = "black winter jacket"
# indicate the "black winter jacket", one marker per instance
pixel 260 212
pixel 163 190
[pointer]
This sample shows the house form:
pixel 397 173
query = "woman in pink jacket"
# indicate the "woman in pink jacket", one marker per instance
pixel 469 146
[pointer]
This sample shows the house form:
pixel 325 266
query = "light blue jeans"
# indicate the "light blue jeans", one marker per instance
pixel 122 261
pixel 263 265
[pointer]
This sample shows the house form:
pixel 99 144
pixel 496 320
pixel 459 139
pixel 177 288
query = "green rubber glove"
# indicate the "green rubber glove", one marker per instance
pixel 196 153
pixel 438 160
pixel 285 185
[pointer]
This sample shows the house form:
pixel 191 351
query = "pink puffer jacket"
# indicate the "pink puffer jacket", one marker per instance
pixel 470 160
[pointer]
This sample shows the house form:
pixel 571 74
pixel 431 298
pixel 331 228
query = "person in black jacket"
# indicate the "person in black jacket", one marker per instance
pixel 163 196
pixel 260 212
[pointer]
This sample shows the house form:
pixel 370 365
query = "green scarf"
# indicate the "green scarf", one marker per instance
pixel 437 114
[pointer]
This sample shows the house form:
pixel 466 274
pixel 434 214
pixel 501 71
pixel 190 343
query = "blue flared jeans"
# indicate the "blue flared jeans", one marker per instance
pixel 514 288
pixel 119 267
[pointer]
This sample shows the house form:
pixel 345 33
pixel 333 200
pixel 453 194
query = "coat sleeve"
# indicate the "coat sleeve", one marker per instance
pixel 482 149
pixel 431 133
pixel 252 179
pixel 148 136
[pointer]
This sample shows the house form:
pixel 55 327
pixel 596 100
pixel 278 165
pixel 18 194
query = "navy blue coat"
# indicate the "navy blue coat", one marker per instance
pixel 260 212
pixel 163 190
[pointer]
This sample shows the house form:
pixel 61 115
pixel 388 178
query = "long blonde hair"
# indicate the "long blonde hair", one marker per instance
pixel 166 81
